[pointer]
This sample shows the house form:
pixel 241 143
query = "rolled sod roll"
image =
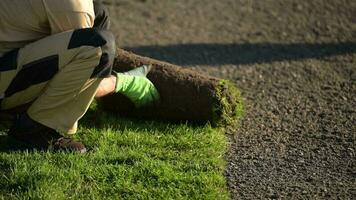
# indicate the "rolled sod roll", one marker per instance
pixel 186 95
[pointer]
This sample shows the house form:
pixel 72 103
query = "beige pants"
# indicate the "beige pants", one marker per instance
pixel 58 74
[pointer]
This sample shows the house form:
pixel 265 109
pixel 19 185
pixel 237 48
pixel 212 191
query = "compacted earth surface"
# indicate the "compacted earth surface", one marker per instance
pixel 295 64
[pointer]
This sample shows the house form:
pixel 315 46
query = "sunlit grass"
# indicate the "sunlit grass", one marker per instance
pixel 126 160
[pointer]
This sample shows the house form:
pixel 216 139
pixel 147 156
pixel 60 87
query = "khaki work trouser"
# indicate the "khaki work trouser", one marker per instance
pixel 59 74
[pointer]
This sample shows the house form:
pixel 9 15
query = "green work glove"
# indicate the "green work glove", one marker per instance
pixel 139 89
pixel 139 71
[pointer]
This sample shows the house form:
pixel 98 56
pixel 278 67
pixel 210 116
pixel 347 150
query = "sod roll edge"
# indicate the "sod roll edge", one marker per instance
pixel 186 95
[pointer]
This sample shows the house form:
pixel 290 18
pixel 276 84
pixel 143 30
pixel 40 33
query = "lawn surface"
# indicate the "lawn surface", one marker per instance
pixel 126 160
pixel 294 62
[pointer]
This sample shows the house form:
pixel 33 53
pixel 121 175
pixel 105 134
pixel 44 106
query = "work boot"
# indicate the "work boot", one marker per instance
pixel 35 135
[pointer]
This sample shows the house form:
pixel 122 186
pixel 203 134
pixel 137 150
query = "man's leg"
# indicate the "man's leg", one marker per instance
pixel 61 73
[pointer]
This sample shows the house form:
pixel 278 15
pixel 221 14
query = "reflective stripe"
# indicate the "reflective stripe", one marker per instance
pixel 9 61
pixel 33 73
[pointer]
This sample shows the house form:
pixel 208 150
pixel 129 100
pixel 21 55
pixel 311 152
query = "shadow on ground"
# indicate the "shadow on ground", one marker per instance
pixel 8 145
pixel 247 53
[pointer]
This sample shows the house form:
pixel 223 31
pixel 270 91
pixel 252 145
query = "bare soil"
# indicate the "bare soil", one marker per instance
pixel 295 63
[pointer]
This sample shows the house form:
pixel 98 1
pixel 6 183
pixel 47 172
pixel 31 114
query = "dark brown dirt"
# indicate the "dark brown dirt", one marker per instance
pixel 186 95
pixel 295 63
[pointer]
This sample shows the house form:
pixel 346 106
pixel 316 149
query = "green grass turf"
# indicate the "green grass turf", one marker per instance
pixel 127 160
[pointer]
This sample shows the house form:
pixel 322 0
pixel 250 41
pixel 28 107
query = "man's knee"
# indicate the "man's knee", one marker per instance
pixel 97 38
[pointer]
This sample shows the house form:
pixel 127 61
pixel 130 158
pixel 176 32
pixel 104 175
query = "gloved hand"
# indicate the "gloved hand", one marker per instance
pixel 139 71
pixel 139 89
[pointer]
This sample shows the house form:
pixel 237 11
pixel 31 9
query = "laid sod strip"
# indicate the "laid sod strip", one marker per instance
pixel 185 94
pixel 127 160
